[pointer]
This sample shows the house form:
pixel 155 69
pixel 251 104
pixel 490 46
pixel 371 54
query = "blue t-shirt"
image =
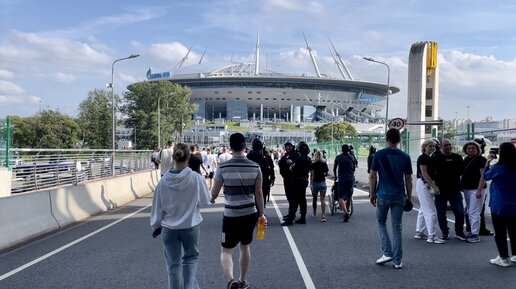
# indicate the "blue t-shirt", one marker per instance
pixel 502 190
pixel 392 165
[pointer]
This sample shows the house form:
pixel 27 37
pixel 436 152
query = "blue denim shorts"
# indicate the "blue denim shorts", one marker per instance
pixel 318 187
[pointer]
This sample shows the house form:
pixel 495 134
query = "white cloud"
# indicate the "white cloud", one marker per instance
pixel 36 99
pixel 168 55
pixel 6 73
pixel 58 76
pixel 7 87
pixel 25 51
pixel 10 99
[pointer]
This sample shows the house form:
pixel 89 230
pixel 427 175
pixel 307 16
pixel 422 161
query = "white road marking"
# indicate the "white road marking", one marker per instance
pixel 35 261
pixel 309 284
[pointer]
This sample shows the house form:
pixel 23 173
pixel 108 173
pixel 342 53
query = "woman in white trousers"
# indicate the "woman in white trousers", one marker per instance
pixel 474 187
pixel 426 189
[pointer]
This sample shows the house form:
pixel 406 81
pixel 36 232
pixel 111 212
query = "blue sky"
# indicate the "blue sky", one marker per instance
pixel 52 53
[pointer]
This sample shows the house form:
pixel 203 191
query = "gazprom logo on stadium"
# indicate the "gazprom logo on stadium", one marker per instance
pixel 151 75
pixel 367 98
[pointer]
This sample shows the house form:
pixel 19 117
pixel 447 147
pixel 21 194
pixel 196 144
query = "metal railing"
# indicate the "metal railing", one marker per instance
pixel 35 169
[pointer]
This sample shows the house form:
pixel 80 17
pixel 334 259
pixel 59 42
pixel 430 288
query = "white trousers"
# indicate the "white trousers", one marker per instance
pixel 427 216
pixel 474 205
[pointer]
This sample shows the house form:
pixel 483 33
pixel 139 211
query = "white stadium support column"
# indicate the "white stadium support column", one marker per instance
pixel 261 112
pixel 423 94
pixel 297 114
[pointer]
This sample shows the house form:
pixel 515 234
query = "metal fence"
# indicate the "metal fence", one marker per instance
pixel 34 169
pixel 5 141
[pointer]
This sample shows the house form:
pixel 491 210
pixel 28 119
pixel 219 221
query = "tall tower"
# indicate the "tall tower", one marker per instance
pixel 423 94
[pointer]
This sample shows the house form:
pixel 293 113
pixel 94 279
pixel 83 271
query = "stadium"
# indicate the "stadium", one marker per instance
pixel 240 91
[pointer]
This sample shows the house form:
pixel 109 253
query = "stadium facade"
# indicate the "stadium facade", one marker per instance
pixel 240 91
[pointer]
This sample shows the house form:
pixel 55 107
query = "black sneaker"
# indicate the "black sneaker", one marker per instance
pixel 485 233
pixel 444 236
pixel 287 222
pixel 346 218
pixel 233 284
pixel 460 236
pixel 243 285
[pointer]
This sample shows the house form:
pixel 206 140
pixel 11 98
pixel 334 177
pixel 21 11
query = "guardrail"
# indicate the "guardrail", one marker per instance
pixel 35 169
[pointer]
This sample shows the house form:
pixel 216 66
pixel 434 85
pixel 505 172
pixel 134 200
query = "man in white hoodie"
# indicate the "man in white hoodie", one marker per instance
pixel 176 215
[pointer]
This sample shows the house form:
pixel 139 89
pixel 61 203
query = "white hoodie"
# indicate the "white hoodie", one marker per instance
pixel 177 200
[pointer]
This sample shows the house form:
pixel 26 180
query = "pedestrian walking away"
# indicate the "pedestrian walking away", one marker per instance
pixel 242 181
pixel 176 215
pixel 390 187
pixel 502 202
pixel 318 175
pixel 165 159
pixel 344 171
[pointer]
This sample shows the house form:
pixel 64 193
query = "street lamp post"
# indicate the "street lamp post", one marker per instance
pixel 159 123
pixel 159 117
pixel 112 85
pixel 388 88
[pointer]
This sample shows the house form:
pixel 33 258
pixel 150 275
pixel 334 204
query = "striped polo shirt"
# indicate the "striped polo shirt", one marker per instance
pixel 238 175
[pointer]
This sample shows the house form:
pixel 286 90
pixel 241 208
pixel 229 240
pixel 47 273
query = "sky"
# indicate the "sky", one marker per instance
pixel 52 53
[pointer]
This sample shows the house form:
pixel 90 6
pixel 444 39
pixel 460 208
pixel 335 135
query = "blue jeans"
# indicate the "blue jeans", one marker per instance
pixel 382 209
pixel 181 267
pixel 455 200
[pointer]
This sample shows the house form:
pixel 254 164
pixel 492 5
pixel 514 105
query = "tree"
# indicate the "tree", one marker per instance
pixel 24 133
pixel 141 108
pixel 49 130
pixel 95 119
pixel 335 131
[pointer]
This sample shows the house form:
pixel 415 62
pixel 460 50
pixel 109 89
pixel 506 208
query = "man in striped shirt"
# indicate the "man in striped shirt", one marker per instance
pixel 242 180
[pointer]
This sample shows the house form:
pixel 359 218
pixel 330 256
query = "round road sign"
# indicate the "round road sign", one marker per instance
pixel 397 123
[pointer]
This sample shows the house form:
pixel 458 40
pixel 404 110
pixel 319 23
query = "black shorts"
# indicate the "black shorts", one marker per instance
pixel 345 188
pixel 238 229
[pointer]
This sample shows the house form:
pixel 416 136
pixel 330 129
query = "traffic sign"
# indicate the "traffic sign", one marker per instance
pixel 397 123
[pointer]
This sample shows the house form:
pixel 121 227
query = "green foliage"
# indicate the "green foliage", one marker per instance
pixel 141 108
pixel 95 119
pixel 335 131
pixel 50 129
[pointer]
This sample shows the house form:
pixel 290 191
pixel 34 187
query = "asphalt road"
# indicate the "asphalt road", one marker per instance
pixel 115 250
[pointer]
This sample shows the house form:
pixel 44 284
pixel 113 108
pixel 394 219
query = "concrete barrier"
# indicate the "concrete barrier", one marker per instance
pixel 74 203
pixel 5 182
pixel 25 216
pixel 28 215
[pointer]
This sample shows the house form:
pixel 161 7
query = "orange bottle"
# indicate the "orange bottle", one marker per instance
pixel 260 233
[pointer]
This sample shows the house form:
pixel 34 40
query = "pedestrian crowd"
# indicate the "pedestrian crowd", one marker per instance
pixel 246 175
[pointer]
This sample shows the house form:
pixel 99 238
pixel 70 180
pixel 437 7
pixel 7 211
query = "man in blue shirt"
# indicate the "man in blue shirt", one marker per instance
pixel 390 184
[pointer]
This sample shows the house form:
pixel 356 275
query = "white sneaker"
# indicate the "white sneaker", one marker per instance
pixel 420 236
pixel 435 240
pixel 501 261
pixel 398 266
pixel 513 259
pixel 384 259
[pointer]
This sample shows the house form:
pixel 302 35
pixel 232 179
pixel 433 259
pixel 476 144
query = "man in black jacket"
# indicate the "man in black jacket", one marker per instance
pixel 288 182
pixel 257 156
pixel 300 169
pixel 448 169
